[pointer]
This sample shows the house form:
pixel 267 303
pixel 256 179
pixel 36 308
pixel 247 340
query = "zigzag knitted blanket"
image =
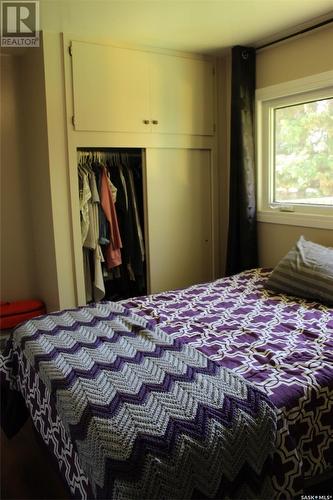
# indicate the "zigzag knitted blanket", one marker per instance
pixel 149 417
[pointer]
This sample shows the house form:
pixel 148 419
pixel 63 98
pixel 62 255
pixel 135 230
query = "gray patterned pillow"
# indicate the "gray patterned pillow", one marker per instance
pixel 306 271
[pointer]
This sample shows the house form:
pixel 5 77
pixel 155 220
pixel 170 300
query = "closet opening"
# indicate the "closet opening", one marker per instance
pixel 112 222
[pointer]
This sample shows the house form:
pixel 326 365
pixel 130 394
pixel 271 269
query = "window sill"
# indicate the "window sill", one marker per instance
pixel 296 219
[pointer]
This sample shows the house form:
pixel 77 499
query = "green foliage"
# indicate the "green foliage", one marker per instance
pixel 304 150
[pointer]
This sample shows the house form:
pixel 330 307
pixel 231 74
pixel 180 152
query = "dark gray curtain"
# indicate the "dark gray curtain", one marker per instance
pixel 242 237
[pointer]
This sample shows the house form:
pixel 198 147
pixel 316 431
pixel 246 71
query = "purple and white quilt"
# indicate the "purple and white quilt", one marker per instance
pixel 219 390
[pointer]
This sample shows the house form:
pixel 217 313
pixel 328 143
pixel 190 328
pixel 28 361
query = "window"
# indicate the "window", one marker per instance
pixel 295 152
pixel 303 153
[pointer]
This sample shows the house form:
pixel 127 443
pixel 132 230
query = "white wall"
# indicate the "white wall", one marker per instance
pixel 17 257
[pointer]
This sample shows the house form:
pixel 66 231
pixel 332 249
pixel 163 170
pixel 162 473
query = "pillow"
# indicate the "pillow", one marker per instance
pixel 306 271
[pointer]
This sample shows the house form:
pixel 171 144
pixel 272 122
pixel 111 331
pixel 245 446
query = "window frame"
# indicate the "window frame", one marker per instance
pixel 294 92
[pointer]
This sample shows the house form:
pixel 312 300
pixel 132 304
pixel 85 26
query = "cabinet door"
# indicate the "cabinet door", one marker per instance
pixel 179 217
pixel 182 91
pixel 110 88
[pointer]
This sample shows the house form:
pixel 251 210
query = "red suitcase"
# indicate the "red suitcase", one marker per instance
pixel 13 313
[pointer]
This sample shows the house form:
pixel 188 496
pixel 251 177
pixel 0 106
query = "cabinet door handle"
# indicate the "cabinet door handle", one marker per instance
pixel 146 122
pixel 154 122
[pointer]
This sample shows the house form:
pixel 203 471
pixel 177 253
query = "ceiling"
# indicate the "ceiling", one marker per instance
pixel 191 25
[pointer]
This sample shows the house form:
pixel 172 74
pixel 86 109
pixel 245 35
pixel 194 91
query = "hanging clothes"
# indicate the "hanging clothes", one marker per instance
pixel 104 229
pixel 84 197
pixel 90 240
pixel 113 254
pixel 133 270
pixel 112 225
pixel 93 240
pixel 95 289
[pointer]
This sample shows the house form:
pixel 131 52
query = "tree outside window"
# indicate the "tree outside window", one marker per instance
pixel 303 153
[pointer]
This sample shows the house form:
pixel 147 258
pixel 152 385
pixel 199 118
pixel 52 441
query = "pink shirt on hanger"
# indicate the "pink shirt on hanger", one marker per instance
pixel 113 254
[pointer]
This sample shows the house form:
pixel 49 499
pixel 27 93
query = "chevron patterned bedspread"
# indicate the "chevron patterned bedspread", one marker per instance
pixel 149 416
pixel 282 344
pixel 218 390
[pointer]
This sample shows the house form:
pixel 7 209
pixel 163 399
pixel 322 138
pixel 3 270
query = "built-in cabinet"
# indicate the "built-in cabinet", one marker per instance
pixel 162 103
pixel 125 90
pixel 94 95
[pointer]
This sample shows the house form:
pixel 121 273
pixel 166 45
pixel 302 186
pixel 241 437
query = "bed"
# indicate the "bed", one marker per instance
pixel 223 389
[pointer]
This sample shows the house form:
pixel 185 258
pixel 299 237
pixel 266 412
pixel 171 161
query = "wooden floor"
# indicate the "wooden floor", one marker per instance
pixel 27 470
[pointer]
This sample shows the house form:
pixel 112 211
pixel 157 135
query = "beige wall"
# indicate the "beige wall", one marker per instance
pixel 275 240
pixel 36 249
pixel 58 168
pixel 34 147
pixel 296 58
pixel 17 257
pixel 28 261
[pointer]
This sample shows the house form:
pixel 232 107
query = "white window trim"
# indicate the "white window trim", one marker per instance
pixel 314 86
